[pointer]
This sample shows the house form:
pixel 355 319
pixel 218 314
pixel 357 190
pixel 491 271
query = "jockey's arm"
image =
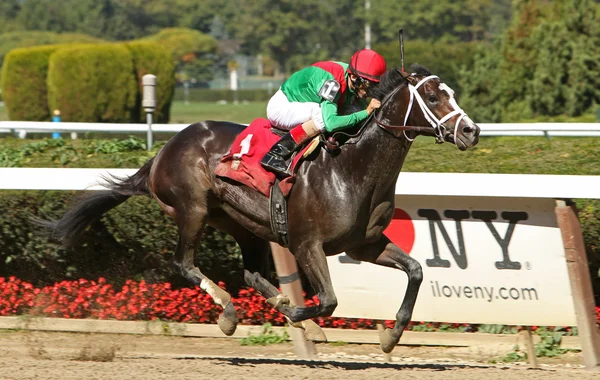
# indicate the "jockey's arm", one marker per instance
pixel 334 122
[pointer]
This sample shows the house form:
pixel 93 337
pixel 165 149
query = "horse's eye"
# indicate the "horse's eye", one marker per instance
pixel 432 99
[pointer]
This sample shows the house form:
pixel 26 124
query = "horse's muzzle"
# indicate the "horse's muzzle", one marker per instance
pixel 467 135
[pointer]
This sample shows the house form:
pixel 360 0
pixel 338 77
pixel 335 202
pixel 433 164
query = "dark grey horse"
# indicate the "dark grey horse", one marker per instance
pixel 340 203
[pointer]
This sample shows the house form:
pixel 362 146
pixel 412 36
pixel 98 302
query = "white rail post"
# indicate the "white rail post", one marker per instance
pixel 289 282
pixel 581 284
pixel 149 103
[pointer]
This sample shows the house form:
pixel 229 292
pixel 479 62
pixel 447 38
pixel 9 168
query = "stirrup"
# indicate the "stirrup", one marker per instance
pixel 276 164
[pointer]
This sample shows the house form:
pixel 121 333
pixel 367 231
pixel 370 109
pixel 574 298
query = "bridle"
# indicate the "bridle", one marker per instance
pixel 437 125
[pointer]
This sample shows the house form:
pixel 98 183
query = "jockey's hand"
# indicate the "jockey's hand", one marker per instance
pixel 373 105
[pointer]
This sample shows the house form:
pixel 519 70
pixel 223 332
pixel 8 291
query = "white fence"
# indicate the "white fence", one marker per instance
pixel 487 129
pixel 494 249
pixel 422 184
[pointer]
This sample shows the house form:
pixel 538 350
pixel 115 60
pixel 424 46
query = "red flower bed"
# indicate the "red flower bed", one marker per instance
pixel 142 301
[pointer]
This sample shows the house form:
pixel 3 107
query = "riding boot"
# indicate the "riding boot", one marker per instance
pixel 275 159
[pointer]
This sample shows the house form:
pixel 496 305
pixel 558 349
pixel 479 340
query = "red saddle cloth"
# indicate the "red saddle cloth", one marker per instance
pixel 242 162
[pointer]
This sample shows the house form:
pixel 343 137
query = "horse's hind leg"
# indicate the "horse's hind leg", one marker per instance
pixel 387 254
pixel 191 225
pixel 254 273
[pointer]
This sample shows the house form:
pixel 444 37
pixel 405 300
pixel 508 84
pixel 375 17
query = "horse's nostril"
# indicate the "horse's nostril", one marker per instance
pixel 467 129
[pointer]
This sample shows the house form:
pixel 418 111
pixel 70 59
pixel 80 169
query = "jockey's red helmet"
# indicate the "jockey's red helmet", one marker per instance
pixel 367 64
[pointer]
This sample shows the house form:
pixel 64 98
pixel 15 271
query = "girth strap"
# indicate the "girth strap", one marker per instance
pixel 279 214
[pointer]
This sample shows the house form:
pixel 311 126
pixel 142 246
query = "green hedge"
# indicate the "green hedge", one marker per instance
pixel 23 39
pixel 133 241
pixel 215 95
pixel 24 83
pixel 151 58
pixel 93 83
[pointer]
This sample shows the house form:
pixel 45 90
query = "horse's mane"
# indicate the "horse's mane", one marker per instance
pixel 392 79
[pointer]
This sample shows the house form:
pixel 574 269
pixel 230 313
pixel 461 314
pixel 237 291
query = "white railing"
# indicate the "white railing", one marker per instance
pixel 21 128
pixel 423 184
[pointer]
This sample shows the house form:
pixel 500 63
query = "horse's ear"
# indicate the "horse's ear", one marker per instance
pixel 412 80
pixel 408 77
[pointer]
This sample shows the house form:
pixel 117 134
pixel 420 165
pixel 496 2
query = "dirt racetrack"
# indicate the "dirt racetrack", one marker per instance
pixel 49 355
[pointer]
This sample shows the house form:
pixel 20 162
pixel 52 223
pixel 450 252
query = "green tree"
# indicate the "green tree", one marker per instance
pixel 295 34
pixel 479 92
pixel 455 56
pixel 278 28
pixel 458 20
pixel 582 18
pixel 9 9
pixel 518 65
pixel 548 89
pixel 547 66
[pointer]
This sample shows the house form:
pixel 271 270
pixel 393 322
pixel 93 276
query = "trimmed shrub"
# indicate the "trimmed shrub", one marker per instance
pixel 193 52
pixel 24 83
pixel 184 41
pixel 93 83
pixel 30 38
pixel 151 58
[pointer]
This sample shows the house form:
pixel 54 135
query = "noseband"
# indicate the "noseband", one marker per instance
pixel 437 125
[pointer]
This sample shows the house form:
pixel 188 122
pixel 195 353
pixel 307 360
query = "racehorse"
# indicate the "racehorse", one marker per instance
pixel 338 203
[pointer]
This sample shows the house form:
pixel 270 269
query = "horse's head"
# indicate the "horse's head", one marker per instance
pixel 420 99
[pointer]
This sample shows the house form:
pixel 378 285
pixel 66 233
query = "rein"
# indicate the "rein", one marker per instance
pixel 437 125
pixel 437 128
pixel 399 127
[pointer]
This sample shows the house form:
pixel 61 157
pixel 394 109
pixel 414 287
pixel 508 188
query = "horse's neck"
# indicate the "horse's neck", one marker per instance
pixel 382 153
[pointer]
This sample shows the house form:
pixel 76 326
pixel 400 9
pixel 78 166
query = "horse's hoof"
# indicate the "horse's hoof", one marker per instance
pixel 278 301
pixel 312 331
pixel 228 320
pixel 387 340
pixel 297 325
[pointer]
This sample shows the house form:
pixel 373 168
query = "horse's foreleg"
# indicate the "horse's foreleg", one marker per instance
pixel 312 331
pixel 313 262
pixel 190 233
pixel 387 254
pixel 314 265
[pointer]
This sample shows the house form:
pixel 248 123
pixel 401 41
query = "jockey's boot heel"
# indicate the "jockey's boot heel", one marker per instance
pixel 275 159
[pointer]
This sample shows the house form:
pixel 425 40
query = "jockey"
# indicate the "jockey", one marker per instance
pixel 309 101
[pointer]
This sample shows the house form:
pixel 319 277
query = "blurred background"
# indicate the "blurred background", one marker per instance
pixel 508 60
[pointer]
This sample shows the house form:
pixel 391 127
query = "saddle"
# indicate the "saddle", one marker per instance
pixel 242 162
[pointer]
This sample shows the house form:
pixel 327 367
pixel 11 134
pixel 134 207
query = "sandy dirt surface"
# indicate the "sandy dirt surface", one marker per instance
pixel 46 355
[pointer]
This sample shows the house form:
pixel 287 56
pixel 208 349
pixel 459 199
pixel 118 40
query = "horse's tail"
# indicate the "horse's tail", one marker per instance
pixel 90 208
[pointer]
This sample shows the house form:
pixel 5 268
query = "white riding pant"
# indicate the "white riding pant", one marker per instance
pixel 286 115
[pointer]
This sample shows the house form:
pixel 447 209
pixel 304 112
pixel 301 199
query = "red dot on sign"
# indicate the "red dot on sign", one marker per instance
pixel 401 230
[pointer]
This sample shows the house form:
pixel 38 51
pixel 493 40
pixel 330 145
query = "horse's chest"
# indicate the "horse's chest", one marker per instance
pixel 379 220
